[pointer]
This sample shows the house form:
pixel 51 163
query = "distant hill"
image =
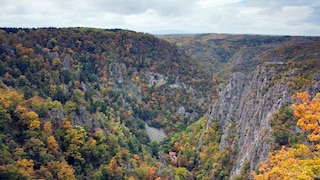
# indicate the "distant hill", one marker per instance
pixel 223 54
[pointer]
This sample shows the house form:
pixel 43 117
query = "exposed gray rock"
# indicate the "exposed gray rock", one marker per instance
pixel 243 110
pixel 156 79
pixel 178 84
pixel 56 116
pixel 154 133
pixel 314 86
pixel 83 118
pixel 115 72
pixel 84 86
pixel 66 63
pixel 192 91
pixel 7 49
pixel 66 89
pixel 49 54
pixel 174 86
pixel 181 110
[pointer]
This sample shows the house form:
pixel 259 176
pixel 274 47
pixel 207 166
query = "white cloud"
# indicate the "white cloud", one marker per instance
pixel 285 20
pixel 293 17
pixel 215 3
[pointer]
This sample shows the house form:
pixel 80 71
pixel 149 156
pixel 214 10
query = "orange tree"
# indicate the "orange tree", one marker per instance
pixel 308 112
pixel 300 162
pixel 290 163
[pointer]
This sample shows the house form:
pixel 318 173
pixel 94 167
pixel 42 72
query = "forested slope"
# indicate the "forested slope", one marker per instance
pixel 256 76
pixel 77 100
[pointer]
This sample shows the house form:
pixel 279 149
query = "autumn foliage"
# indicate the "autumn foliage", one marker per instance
pixel 74 102
pixel 290 163
pixel 302 161
pixel 308 112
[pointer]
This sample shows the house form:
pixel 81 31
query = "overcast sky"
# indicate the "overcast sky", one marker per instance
pixel 274 17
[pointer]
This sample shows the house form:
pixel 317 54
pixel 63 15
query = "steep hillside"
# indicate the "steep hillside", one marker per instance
pixel 257 76
pixel 82 97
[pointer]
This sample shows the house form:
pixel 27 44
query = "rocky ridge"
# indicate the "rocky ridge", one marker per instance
pixel 244 109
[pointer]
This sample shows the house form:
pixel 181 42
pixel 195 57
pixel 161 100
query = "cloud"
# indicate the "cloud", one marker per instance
pixel 293 17
pixel 278 19
pixel 210 3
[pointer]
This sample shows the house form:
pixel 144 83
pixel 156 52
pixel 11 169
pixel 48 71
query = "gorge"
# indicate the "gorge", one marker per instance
pixel 83 103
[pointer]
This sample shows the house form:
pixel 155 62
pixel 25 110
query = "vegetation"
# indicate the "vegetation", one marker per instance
pixel 300 161
pixel 308 112
pixel 74 103
pixel 224 54
pixel 291 163
pixel 290 59
pixel 283 124
pixel 33 149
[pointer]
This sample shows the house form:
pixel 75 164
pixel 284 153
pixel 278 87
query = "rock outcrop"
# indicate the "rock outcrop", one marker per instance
pixel 314 85
pixel 243 110
pixel 82 118
pixel 155 134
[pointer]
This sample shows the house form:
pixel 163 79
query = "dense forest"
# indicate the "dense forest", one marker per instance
pixel 75 103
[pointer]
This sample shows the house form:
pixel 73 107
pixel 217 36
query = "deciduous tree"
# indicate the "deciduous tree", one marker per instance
pixel 52 145
pixel 290 163
pixel 308 112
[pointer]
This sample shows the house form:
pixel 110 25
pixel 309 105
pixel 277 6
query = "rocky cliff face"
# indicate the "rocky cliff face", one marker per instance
pixel 243 110
pixel 265 71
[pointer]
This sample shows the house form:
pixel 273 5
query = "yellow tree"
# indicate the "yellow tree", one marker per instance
pixel 308 112
pixel 52 145
pixel 31 119
pixel 61 170
pixel 27 118
pixel 66 172
pixel 47 129
pixel 300 162
pixel 290 163
pixel 74 140
pixel 26 168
